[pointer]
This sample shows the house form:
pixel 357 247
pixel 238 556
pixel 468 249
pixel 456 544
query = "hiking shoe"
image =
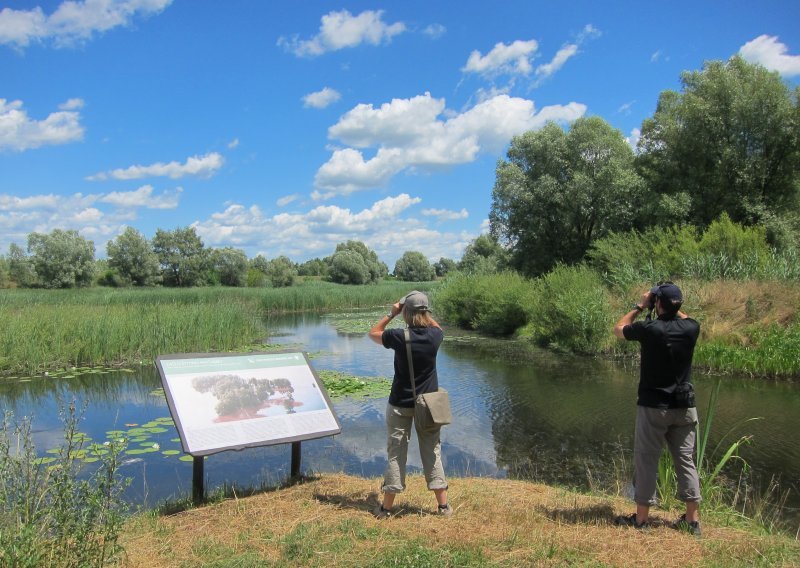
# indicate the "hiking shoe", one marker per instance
pixel 683 525
pixel 380 513
pixel 445 511
pixel 630 521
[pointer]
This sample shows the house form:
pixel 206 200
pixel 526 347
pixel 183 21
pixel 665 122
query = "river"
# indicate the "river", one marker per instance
pixel 542 416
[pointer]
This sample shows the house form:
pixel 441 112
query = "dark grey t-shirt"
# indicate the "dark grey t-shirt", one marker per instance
pixel 667 350
pixel 425 343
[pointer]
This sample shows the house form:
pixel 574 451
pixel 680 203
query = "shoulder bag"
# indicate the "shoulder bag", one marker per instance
pixel 431 409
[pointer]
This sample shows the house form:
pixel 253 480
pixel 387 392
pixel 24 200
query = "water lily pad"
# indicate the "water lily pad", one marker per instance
pixel 171 452
pixel 44 460
pixel 186 458
pixel 138 451
pixel 90 460
pixel 157 430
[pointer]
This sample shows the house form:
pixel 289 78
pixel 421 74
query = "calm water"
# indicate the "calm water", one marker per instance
pixel 555 419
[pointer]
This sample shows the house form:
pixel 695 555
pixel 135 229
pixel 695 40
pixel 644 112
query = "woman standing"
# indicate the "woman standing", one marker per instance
pixel 425 336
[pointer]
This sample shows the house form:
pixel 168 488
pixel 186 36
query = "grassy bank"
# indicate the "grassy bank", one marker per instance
pixel 747 326
pixel 44 330
pixel 326 522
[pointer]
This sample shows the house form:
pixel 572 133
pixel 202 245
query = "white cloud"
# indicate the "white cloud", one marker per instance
pixel 633 139
pixel 73 21
pixel 408 134
pixel 434 31
pixel 626 107
pixel 286 200
pixel 340 30
pixel 567 52
pixel 655 56
pixel 19 132
pixel 95 216
pixel 769 52
pixel 143 197
pixel 233 144
pixel 508 59
pixel 558 61
pixel 446 214
pixel 321 99
pixel 201 166
pixel 318 231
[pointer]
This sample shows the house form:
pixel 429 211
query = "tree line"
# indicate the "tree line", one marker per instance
pixel 727 144
pixel 178 258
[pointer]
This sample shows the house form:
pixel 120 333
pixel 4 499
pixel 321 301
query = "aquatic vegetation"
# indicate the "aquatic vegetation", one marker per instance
pixel 340 384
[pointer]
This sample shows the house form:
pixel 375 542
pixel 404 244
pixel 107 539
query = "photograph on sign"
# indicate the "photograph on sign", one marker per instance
pixel 234 401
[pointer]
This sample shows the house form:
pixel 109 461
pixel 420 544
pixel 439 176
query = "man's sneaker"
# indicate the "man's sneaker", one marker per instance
pixel 692 527
pixel 445 511
pixel 630 521
pixel 380 513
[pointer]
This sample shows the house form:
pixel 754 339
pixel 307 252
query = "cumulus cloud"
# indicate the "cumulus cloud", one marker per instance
pixel 201 166
pixel 143 197
pixel 772 54
pixel 511 59
pixel 446 214
pixel 340 30
pixel 321 99
pixel 633 139
pixel 409 134
pixel 72 22
pixel 19 132
pixel 318 231
pixel 96 216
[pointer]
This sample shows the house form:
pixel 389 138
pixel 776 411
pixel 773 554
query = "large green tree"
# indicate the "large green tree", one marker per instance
pixel 729 142
pixel 558 191
pixel 414 266
pixel 132 258
pixel 61 259
pixel 345 268
pixel 484 255
pixel 182 255
pixel 230 266
pixel 20 267
pixel 281 272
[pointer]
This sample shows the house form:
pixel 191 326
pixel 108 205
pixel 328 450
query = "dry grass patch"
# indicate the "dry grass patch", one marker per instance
pixel 327 522
pixel 727 307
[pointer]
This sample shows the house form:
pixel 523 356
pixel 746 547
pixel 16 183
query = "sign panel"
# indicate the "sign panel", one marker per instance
pixel 230 402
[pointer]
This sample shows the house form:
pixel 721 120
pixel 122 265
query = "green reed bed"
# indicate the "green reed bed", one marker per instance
pixel 50 329
pixel 43 337
pixel 770 352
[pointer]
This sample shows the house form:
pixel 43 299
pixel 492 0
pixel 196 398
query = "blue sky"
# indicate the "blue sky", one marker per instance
pixel 288 127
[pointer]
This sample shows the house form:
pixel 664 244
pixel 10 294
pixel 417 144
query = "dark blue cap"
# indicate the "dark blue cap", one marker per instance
pixel 668 291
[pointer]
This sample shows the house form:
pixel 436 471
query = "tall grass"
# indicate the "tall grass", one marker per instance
pixel 50 514
pixel 48 329
pixel 711 462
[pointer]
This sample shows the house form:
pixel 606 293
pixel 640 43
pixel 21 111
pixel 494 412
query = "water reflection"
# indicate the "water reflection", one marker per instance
pixel 543 416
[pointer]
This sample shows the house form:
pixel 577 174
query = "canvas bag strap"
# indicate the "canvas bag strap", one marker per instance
pixel 407 335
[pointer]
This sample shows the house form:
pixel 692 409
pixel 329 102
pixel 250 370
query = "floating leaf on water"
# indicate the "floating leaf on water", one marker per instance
pixel 90 460
pixel 53 451
pixel 186 458
pixel 157 430
pixel 44 460
pixel 171 452
pixel 175 440
pixel 132 424
pixel 114 433
pixel 139 439
pixel 138 451
pixel 127 371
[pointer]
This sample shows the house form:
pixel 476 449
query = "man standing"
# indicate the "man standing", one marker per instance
pixel 666 407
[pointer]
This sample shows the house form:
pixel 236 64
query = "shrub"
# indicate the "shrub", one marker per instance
pixel 496 304
pixel 49 516
pixel 572 310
